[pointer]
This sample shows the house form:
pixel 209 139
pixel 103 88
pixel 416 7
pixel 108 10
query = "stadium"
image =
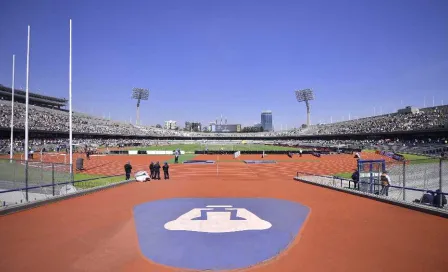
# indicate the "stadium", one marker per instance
pixel 80 192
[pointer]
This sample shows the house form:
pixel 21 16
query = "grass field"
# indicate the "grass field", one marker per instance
pixel 182 158
pixel 419 159
pixel 96 180
pixel 194 147
pixel 346 175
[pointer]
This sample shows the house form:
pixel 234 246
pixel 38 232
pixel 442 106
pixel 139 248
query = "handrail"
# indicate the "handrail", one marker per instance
pixel 56 184
pixel 363 182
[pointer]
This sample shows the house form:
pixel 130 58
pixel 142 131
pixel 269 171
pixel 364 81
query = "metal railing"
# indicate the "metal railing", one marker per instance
pixel 28 181
pixel 409 182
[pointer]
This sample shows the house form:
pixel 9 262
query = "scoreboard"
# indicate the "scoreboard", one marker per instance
pixel 226 128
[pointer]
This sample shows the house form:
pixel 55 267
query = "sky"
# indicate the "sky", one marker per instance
pixel 201 59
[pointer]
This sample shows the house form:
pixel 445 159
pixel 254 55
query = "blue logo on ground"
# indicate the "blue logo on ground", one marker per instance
pixel 216 233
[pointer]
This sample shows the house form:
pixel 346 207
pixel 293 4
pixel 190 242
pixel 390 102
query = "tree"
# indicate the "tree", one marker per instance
pixel 158 126
pixel 261 129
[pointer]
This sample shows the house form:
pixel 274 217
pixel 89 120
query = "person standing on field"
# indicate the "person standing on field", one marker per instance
pixel 157 171
pixel 176 156
pixel 166 174
pixel 151 169
pixel 128 170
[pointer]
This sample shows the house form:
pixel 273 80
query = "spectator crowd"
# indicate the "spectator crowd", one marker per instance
pixel 47 119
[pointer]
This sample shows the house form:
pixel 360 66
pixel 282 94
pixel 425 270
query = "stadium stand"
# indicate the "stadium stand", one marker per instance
pixel 48 116
pixel 49 119
pixel 34 98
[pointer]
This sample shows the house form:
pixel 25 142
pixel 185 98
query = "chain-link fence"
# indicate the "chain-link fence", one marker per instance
pixel 24 181
pixel 413 178
pixel 27 181
pixel 417 181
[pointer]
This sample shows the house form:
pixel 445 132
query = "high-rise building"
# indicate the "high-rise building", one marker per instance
pixel 266 120
pixel 187 126
pixel 170 124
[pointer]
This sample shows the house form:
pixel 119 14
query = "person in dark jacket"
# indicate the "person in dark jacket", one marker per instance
pixel 151 169
pixel 128 170
pixel 166 173
pixel 439 196
pixel 355 178
pixel 157 170
pixel 385 183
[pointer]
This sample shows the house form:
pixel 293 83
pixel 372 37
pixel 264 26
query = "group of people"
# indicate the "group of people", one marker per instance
pixel 385 182
pixel 154 169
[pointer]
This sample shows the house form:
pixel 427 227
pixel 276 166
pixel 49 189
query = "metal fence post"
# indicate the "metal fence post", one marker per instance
pixel 52 177
pixel 404 180
pixel 26 180
pixel 72 175
pixel 440 182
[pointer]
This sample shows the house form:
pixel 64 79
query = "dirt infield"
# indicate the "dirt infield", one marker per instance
pixel 343 232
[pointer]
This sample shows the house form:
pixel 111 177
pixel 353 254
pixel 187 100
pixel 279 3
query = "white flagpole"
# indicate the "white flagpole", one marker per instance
pixel 11 151
pixel 27 95
pixel 70 100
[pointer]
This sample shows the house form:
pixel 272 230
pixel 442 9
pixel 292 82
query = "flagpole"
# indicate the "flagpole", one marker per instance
pixel 11 151
pixel 70 101
pixel 27 95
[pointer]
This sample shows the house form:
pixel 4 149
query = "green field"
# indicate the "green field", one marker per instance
pixel 346 175
pixel 96 180
pixel 419 159
pixel 198 147
pixel 182 158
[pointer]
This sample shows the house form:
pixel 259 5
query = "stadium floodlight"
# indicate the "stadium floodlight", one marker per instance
pixel 139 94
pixel 306 96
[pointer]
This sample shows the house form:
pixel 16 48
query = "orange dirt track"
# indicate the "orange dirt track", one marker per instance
pixel 343 232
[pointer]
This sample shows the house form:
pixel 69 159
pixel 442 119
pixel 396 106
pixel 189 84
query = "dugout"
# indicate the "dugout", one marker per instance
pixel 369 175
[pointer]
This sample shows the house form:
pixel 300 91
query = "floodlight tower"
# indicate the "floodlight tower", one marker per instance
pixel 139 94
pixel 306 96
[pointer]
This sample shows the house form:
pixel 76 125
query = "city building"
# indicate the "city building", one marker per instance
pixel 170 124
pixel 225 128
pixel 266 121
pixel 193 126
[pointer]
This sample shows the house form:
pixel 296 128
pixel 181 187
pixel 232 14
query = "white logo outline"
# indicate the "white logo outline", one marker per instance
pixel 218 219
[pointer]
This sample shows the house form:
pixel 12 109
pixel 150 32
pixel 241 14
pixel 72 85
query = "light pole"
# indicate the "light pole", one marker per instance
pixel 139 94
pixel 306 96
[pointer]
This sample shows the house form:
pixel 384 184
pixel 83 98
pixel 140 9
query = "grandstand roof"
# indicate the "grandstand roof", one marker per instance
pixel 34 98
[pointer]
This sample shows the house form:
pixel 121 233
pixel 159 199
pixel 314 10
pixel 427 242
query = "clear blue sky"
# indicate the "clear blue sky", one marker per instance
pixel 201 59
